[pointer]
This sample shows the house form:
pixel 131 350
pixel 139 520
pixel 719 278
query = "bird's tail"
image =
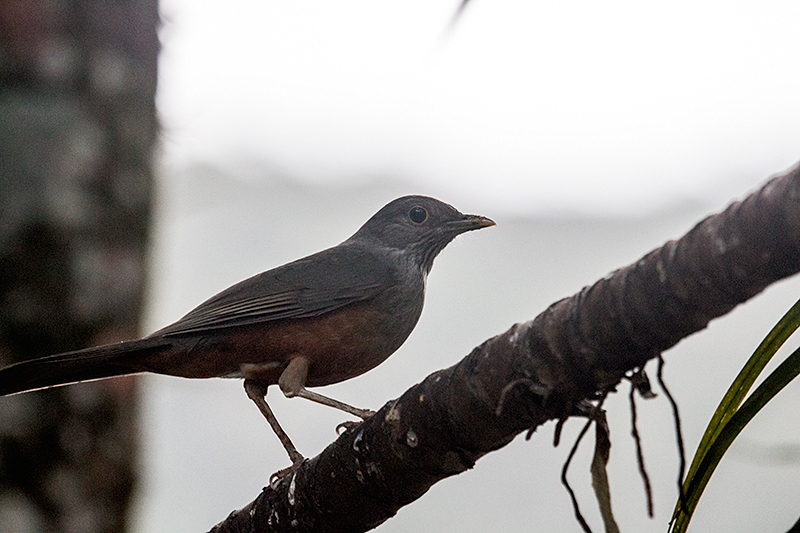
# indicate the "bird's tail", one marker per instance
pixel 81 365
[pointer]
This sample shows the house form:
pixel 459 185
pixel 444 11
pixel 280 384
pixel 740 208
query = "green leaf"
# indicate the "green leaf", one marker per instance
pixel 729 418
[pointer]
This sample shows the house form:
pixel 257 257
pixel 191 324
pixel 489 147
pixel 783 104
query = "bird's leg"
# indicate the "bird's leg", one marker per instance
pixel 292 383
pixel 257 392
pixel 324 400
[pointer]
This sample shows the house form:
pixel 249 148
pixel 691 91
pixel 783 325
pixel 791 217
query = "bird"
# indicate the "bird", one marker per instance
pixel 322 319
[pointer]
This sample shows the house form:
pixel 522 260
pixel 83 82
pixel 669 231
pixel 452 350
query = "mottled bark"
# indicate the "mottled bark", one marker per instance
pixel 77 130
pixel 576 350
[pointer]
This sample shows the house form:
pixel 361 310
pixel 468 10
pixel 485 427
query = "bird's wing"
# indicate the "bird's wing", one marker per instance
pixel 307 287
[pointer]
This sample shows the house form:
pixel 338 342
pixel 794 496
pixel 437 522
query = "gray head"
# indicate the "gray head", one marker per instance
pixel 418 225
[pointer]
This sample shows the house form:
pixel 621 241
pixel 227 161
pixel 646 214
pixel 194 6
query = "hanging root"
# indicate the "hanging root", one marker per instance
pixel 573 450
pixel 557 432
pixel 678 434
pixel 578 515
pixel 648 491
pixel 641 382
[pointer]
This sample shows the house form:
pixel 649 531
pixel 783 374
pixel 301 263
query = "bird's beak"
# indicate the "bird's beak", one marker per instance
pixel 469 223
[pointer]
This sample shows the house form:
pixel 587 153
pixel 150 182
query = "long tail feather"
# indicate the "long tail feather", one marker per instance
pixel 81 365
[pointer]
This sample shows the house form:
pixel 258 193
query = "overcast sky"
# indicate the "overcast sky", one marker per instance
pixel 545 106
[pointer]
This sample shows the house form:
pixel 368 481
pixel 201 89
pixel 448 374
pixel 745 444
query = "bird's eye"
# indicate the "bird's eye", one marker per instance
pixel 418 214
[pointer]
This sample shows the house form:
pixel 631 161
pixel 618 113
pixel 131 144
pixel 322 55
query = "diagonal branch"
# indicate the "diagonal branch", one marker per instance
pixel 577 349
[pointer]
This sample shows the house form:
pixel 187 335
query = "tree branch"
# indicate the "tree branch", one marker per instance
pixel 577 349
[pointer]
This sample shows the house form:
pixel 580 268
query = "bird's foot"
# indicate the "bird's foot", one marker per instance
pixel 275 478
pixel 364 414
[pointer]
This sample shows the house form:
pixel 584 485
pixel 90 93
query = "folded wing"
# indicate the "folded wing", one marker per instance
pixel 308 287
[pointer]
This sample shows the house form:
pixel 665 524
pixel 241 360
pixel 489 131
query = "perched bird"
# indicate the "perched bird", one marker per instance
pixel 319 320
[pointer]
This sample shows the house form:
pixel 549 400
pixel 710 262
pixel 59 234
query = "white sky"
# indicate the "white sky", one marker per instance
pixel 536 106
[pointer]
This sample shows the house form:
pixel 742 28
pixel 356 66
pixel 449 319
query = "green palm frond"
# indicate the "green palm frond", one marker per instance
pixel 731 416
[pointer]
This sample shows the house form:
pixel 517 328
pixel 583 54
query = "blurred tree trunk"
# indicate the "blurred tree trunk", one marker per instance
pixel 77 130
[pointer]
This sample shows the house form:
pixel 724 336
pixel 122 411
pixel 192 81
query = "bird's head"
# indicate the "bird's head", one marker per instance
pixel 420 226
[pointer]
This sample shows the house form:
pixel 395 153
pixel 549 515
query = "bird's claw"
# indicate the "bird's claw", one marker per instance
pixel 344 426
pixel 275 478
pixel 364 414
